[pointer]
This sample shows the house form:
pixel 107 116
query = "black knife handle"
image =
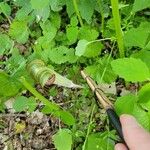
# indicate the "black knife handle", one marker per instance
pixel 114 120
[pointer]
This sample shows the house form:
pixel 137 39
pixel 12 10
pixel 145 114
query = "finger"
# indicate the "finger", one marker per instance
pixel 120 146
pixel 135 136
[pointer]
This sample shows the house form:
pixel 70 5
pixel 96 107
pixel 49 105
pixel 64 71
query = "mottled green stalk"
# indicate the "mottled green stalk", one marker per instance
pixel 52 106
pixel 116 18
pixel 77 12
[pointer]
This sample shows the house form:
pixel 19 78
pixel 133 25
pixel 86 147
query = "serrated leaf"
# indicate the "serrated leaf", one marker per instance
pixel 19 31
pixel 5 8
pixel 49 30
pixel 39 4
pixel 5 43
pixel 139 5
pixel 72 34
pixel 56 5
pixel 86 9
pixel 62 54
pixel 42 14
pixel 63 139
pixel 70 7
pixel 125 104
pixel 131 69
pixel 8 85
pixel 24 11
pixel 88 33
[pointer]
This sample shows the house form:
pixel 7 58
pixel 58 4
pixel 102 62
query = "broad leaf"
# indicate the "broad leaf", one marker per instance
pixel 63 139
pixel 144 93
pixel 131 69
pixel 140 4
pixel 125 104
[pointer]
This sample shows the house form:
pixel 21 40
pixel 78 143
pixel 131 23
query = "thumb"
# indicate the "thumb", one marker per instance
pixel 135 136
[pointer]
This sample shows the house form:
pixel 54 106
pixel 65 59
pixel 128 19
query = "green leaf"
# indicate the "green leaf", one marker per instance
pixel 88 33
pixel 19 31
pixel 81 47
pixel 142 116
pixel 131 69
pixel 8 85
pixel 5 9
pixel 93 49
pixel 101 72
pixel 62 54
pixel 98 142
pixel 144 93
pixel 63 139
pixel 72 34
pixel 86 9
pixel 49 30
pixel 5 43
pixel 31 104
pixel 24 11
pixel 42 14
pixel 88 49
pixel 56 5
pixel 144 55
pixel 139 5
pixel 39 4
pixel 125 104
pixel 136 37
pixel 20 103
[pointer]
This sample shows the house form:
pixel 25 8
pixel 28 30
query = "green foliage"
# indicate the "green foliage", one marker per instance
pixel 22 103
pixel 62 54
pixel 8 86
pixel 131 69
pixel 126 102
pixel 67 36
pixel 129 105
pixel 5 43
pixel 5 9
pixel 19 31
pixel 99 141
pixel 63 139
pixel 139 5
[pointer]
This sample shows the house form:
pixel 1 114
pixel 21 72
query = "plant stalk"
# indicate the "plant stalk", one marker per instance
pixel 116 18
pixel 77 12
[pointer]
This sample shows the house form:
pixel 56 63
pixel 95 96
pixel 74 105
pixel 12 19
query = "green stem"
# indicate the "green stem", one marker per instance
pixel 102 16
pixel 77 12
pixel 88 130
pixel 51 105
pixel 116 18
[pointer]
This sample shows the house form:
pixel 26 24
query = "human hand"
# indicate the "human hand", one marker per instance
pixel 135 136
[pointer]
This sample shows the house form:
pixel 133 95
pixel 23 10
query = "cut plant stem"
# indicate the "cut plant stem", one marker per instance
pixel 77 12
pixel 116 18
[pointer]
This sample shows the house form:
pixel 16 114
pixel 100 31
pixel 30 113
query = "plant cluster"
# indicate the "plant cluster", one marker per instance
pixel 110 40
